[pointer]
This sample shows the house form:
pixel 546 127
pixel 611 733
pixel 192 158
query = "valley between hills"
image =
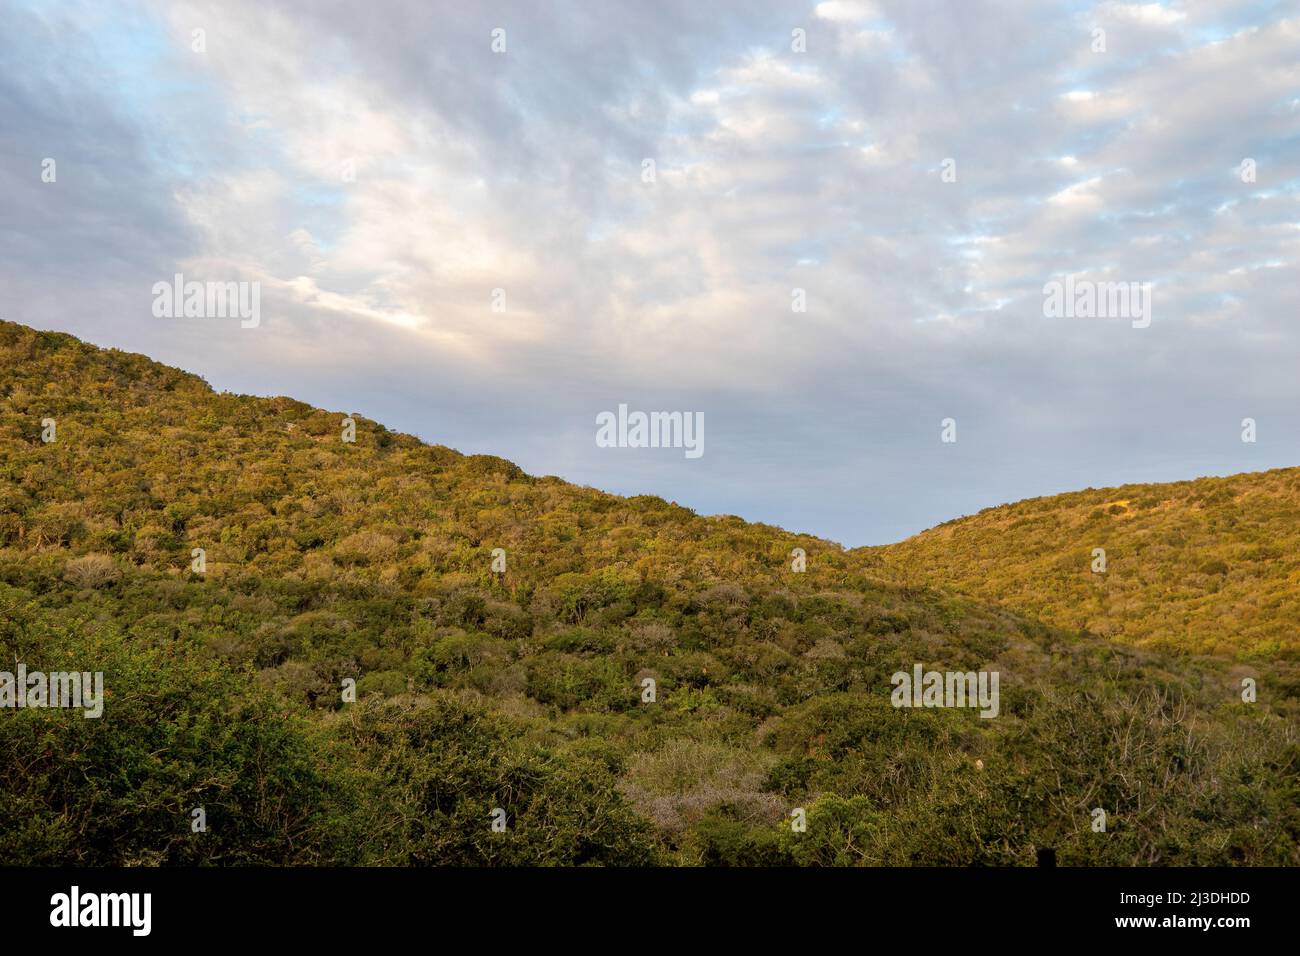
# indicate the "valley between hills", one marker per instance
pixel 312 641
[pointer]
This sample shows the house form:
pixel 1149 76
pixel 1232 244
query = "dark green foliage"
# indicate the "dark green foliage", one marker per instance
pixel 433 772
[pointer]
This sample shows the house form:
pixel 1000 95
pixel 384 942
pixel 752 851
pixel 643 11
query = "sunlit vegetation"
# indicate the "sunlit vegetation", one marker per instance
pixel 327 562
pixel 1210 566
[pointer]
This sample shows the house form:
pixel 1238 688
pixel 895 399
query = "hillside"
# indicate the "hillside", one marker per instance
pixel 1205 566
pixel 327 561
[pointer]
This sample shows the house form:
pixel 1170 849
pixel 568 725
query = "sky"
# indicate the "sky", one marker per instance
pixel 825 228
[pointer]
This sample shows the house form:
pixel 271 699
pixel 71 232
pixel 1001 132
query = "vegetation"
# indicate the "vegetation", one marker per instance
pixel 1210 566
pixel 326 562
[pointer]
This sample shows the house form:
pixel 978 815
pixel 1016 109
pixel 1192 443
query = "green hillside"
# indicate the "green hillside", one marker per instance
pixel 1210 566
pixel 327 562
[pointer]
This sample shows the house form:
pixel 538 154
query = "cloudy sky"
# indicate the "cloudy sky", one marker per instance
pixel 380 169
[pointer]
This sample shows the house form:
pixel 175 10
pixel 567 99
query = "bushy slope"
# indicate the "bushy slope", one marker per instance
pixel 1205 566
pixel 329 562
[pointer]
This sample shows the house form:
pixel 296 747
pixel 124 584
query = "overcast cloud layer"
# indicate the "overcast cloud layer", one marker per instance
pixel 775 170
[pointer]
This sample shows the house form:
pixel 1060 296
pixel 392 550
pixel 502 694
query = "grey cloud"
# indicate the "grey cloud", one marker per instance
pixel 775 170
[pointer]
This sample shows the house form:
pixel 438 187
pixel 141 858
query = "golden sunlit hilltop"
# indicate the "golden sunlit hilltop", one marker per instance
pixel 1210 566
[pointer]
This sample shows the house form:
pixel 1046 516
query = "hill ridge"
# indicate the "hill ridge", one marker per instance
pixel 309 638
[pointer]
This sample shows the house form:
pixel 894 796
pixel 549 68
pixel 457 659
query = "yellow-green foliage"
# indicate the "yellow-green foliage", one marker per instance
pixel 1204 566
pixel 329 562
